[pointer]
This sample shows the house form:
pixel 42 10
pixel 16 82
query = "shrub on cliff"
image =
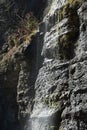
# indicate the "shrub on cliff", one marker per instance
pixel 75 3
pixel 15 27
pixel 26 27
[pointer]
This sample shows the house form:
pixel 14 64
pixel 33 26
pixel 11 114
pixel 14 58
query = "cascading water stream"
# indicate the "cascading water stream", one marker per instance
pixel 43 117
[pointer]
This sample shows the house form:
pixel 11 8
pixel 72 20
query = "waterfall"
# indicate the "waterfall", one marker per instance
pixel 43 116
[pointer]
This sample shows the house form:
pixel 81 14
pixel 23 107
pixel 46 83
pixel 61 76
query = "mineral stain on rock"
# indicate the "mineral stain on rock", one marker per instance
pixel 43 65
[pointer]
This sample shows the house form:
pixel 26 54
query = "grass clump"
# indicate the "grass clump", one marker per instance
pixel 75 3
pixel 69 8
pixel 52 102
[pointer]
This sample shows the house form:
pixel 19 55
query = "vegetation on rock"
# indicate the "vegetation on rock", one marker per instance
pixel 52 102
pixel 67 41
pixel 16 29
pixel 75 2
pixel 24 30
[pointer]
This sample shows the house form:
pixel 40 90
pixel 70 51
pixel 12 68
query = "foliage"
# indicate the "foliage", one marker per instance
pixel 8 17
pixel 26 27
pixel 16 28
pixel 67 41
pixel 75 2
pixel 69 7
pixel 52 101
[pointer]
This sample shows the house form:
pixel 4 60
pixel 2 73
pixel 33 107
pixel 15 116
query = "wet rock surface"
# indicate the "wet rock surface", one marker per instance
pixel 60 88
pixel 44 83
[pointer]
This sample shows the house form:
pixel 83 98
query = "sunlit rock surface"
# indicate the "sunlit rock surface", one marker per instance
pixel 44 83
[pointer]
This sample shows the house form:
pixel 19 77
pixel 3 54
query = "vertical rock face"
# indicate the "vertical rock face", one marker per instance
pixel 44 83
pixel 60 87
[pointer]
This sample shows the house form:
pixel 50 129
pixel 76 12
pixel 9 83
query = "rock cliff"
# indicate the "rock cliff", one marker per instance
pixel 43 76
